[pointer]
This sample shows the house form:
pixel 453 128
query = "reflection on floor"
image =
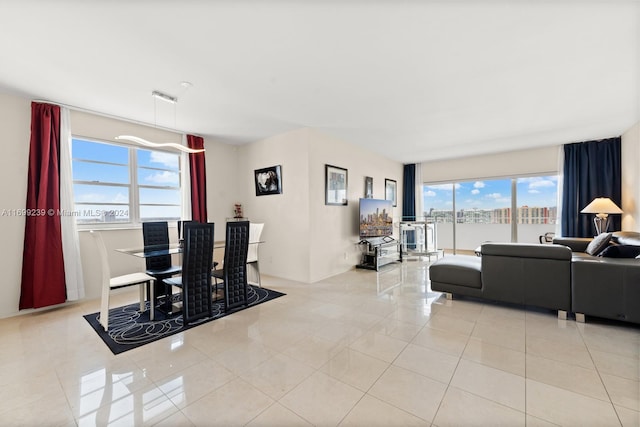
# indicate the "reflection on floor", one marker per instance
pixel 361 349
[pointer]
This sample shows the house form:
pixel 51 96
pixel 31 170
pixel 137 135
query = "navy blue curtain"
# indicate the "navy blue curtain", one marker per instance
pixel 591 169
pixel 409 193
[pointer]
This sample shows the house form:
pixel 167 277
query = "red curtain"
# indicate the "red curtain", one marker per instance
pixel 198 180
pixel 43 280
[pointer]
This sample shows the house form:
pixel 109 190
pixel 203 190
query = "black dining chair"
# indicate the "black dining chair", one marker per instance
pixel 180 225
pixel 156 234
pixel 234 269
pixel 195 281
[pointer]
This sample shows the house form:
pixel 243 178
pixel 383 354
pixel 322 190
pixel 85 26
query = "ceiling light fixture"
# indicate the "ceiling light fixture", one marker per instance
pixel 141 141
pixel 163 96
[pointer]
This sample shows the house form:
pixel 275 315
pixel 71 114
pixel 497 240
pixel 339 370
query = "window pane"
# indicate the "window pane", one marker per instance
pixel 483 213
pixel 158 159
pixel 537 200
pixel 158 177
pixel 84 193
pixel 438 202
pixel 150 196
pixel 90 150
pixel 99 172
pixel 438 208
pixel 159 212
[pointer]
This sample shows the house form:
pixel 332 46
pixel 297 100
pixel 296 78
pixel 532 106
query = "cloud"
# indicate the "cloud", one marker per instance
pixel 533 191
pixel 166 159
pixel 542 184
pixel 475 191
pixel 164 177
pixel 430 193
pixel 478 184
pixel 494 196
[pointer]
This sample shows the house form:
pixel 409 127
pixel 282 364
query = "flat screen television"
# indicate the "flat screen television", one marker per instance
pixel 376 218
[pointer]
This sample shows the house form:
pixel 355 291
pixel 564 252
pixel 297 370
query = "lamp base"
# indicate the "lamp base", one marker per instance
pixel 601 224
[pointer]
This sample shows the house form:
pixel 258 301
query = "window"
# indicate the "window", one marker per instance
pixel 123 184
pixel 511 209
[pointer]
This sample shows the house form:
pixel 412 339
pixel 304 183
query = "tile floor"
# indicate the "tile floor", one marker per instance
pixel 357 349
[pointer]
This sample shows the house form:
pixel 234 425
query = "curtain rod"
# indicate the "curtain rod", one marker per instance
pixel 114 117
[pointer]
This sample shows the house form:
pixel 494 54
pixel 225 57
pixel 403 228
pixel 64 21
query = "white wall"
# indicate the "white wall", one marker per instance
pixel 631 179
pixel 334 229
pixel 15 114
pixel 534 161
pixel 305 239
pixel 285 251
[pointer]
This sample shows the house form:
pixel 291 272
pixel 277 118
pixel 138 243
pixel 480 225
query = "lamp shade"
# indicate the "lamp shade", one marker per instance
pixel 601 205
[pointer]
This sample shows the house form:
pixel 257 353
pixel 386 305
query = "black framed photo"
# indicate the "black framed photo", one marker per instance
pixel 368 187
pixel 268 180
pixel 391 191
pixel 335 185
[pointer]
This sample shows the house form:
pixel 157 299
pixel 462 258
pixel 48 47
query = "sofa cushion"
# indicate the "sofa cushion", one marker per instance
pixel 460 270
pixel 620 251
pixel 626 238
pixel 598 244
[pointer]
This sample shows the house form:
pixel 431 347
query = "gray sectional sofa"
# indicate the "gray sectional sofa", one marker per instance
pixel 561 276
pixel 606 286
pixel 527 274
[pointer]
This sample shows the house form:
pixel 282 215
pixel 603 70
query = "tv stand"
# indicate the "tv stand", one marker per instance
pixel 378 253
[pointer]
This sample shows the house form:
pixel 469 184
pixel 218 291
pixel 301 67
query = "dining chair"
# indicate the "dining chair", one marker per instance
pixel 156 233
pixel 234 269
pixel 255 231
pixel 110 283
pixel 195 281
pixel 180 225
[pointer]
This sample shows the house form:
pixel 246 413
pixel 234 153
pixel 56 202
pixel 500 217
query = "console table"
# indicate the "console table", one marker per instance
pixel 378 253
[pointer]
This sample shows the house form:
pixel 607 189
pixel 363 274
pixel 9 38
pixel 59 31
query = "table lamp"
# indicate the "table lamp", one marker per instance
pixel 602 207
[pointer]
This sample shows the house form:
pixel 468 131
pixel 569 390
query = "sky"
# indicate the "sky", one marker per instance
pixel 492 194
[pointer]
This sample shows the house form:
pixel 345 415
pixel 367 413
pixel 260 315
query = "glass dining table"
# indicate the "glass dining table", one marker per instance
pixel 160 250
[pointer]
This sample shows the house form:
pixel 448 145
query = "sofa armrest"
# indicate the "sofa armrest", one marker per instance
pixel 577 244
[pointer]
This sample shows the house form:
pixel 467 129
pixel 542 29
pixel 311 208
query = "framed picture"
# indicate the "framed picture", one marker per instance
pixel 335 185
pixel 391 191
pixel 368 187
pixel 268 181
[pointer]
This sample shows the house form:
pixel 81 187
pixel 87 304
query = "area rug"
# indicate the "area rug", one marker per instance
pixel 129 328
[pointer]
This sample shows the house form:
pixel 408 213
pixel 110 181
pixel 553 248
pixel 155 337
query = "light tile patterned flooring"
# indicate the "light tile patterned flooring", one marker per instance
pixel 357 349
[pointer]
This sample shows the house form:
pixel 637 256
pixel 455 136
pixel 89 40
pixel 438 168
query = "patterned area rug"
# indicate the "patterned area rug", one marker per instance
pixel 129 328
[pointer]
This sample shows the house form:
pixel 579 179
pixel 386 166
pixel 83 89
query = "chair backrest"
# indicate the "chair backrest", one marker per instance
pixel 156 234
pixel 197 259
pixel 180 226
pixel 235 263
pixel 104 260
pixel 255 230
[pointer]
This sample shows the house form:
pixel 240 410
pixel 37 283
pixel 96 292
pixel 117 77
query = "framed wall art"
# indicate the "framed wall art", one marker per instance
pixel 268 180
pixel 335 185
pixel 368 187
pixel 391 191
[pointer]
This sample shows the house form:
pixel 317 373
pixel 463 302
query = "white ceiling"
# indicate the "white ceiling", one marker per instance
pixel 413 80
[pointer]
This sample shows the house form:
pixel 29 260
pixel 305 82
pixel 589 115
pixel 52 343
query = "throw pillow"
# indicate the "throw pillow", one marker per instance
pixel 598 244
pixel 621 251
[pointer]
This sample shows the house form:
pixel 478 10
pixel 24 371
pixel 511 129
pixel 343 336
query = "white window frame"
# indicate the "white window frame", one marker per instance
pixel 133 186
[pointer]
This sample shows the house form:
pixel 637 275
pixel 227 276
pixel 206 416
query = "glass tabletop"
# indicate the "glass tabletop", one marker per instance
pixel 159 250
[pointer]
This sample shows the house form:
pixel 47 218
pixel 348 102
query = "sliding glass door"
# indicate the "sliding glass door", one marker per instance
pixel 468 213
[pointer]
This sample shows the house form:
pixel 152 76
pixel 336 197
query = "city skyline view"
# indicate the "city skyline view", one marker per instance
pixel 490 200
